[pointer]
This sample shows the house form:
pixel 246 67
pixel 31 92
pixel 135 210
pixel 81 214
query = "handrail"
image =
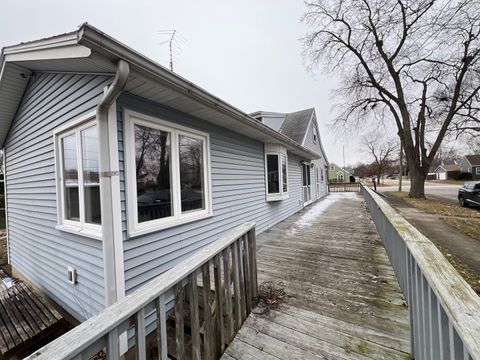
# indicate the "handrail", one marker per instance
pixel 233 261
pixel 444 310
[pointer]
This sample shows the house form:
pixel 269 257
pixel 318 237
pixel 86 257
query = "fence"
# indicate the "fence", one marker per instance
pixel 444 310
pixel 344 187
pixel 230 261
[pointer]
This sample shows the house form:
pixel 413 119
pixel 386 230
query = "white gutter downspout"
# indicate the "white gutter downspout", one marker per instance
pixel 108 175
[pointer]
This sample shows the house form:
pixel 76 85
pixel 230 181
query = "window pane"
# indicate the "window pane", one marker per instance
pixel 93 213
pixel 191 173
pixel 91 184
pixel 70 176
pixel 284 173
pixel 153 173
pixel 273 186
pixel 90 155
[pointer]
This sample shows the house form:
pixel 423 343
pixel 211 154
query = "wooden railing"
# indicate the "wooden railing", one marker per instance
pixel 219 284
pixel 344 187
pixel 444 310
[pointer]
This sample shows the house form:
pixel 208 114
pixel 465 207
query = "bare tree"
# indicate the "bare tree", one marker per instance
pixel 414 63
pixel 383 151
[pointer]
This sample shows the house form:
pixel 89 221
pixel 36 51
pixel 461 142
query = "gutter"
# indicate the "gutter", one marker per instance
pixel 103 43
pixel 109 176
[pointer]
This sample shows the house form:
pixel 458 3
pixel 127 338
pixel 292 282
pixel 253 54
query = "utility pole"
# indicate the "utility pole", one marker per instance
pixel 344 171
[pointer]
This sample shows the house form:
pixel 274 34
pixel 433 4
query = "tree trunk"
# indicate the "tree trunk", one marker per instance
pixel 417 183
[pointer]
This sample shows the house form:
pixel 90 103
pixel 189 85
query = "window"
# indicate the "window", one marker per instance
pixel 477 170
pixel 167 171
pixel 276 168
pixel 78 180
pixel 315 134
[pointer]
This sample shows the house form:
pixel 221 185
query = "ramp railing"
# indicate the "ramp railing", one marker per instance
pixel 219 284
pixel 444 310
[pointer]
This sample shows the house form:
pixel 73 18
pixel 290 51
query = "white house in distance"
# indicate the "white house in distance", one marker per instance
pixel 117 168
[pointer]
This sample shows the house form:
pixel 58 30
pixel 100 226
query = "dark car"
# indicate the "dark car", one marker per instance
pixel 469 194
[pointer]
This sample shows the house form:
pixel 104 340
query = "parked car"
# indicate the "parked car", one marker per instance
pixel 469 194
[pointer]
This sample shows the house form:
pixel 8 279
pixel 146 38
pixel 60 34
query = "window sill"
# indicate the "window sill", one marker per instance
pixel 153 227
pixel 277 197
pixel 90 233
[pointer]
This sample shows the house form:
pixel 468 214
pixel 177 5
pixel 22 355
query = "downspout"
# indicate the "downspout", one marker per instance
pixel 107 176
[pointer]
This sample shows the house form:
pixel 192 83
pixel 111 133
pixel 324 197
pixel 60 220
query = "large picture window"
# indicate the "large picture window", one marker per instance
pixel 167 172
pixel 276 168
pixel 78 179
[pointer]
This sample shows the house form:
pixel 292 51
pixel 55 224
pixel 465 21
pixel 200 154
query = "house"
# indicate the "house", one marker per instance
pixel 302 127
pixel 446 171
pixel 117 168
pixel 470 164
pixel 336 174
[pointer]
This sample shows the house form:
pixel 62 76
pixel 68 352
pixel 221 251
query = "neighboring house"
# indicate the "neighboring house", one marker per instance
pixel 117 168
pixel 444 172
pixel 471 164
pixel 302 127
pixel 336 174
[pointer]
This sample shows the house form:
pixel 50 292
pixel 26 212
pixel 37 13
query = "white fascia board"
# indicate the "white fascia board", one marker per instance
pixel 64 52
pixel 48 43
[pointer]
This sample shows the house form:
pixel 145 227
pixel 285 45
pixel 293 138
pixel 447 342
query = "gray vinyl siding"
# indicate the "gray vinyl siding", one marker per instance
pixel 238 191
pixel 37 250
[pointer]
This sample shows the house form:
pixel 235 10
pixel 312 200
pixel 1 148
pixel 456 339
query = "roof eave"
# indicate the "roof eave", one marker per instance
pixel 103 43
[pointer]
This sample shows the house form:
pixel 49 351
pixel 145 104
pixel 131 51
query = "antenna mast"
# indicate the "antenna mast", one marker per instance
pixel 175 40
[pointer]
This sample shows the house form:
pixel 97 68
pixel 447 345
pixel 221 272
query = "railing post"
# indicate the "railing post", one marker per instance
pixel 219 299
pixel 208 332
pixel 252 242
pixel 194 318
pixel 161 327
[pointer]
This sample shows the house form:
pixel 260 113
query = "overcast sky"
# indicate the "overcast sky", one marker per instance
pixel 246 52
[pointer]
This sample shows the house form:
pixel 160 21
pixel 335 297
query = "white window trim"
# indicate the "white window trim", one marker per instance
pixel 76 227
pixel 134 227
pixel 281 195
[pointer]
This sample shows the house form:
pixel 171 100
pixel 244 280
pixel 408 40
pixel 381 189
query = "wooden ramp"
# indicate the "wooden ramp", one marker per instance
pixel 342 298
pixel 24 317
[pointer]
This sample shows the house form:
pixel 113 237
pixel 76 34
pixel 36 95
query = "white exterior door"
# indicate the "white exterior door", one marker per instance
pixel 307 186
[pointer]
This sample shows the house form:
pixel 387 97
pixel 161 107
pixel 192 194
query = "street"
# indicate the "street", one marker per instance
pixel 447 192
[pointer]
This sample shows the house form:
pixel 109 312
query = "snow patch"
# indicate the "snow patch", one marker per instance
pixel 313 213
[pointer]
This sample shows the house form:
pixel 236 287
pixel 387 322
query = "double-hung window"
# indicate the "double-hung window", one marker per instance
pixel 276 168
pixel 78 182
pixel 168 178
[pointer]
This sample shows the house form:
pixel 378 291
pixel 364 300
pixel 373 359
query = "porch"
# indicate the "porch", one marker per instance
pixel 338 296
pixel 342 300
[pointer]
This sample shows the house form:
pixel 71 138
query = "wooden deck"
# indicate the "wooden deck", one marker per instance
pixel 342 299
pixel 25 317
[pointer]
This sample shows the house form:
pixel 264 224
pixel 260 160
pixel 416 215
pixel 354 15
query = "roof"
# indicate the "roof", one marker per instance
pixel 474 160
pixel 295 125
pixel 449 167
pixel 89 50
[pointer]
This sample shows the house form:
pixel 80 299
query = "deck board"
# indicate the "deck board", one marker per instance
pixel 342 298
pixel 24 315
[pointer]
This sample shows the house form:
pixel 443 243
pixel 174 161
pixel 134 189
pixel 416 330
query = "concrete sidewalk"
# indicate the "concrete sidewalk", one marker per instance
pixel 466 248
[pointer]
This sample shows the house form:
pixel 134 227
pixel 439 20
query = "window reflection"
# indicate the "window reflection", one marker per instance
pixel 153 173
pixel 273 177
pixel 91 182
pixel 70 175
pixel 191 173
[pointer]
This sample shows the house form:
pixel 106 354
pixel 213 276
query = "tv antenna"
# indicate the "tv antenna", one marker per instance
pixel 175 40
